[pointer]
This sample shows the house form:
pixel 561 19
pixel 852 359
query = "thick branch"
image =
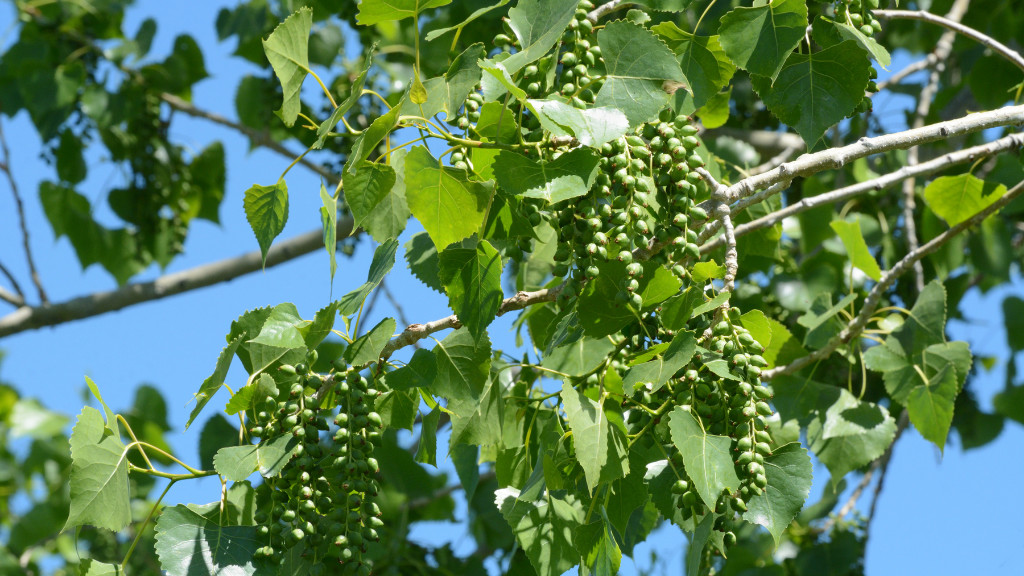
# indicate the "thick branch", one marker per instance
pixel 854 328
pixel 29 318
pixel 257 138
pixel 835 158
pixel 941 163
pixel 5 165
pixel 987 41
pixel 416 332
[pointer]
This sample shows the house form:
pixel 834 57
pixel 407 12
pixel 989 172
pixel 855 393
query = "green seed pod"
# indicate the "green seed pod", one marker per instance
pixel 680 487
pixel 763 408
pixel 763 449
pixel 744 444
pixel 745 459
pixel 698 213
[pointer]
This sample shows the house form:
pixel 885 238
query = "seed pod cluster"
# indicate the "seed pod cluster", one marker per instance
pixel 324 498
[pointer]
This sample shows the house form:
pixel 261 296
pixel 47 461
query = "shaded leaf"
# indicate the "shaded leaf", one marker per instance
pixel 383 261
pixel 472 279
pixel 212 384
pixel 449 205
pixel 707 458
pixel 789 473
pixel 760 38
pixel 266 209
pixel 570 175
pixel 367 348
pixel 188 544
pixel 601 446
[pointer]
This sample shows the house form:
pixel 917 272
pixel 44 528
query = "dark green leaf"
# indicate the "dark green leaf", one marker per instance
pixel 544 528
pixel 703 62
pixel 931 405
pixel 601 446
pixel 814 91
pixel 345 105
pixel 189 544
pixel 426 452
pixel 421 255
pixel 642 72
pixel 463 365
pixel 266 209
pixel 273 454
pixel 216 434
pixel 598 548
pixel 591 127
pixel 662 368
pixel 472 279
pixel 383 261
pixel 213 383
pixel 602 314
pixel 367 348
pixel 329 221
pixel 579 357
pixel 538 25
pixel 695 548
pixel 759 39
pixel 707 458
pixel 418 373
pixel 789 473
pixel 570 175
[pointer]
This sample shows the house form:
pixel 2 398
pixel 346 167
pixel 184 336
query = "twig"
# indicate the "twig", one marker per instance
pixel 854 328
pixel 911 69
pixel 446 491
pixel 5 165
pixel 14 284
pixel 257 138
pixel 29 318
pixel 924 105
pixel 941 163
pixel 415 332
pixel 11 298
pixel 607 8
pixel 987 41
pixel 774 161
pixel 399 310
pixel 882 462
pixel 765 141
pixel 722 212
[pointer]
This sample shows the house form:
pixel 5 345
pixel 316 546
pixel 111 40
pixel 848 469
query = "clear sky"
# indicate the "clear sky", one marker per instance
pixel 939 514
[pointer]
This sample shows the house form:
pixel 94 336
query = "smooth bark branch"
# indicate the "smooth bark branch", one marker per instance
pixel 722 212
pixel 5 165
pixel 18 298
pixel 11 298
pixel 835 158
pixel 987 41
pixel 416 332
pixel 29 318
pixel 607 8
pixel 1010 142
pixel 911 69
pixel 854 328
pixel 254 136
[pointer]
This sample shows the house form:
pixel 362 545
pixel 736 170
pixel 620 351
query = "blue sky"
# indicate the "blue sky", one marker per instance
pixel 939 514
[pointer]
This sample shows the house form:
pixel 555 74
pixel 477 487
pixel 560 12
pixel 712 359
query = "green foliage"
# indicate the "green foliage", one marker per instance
pixel 667 369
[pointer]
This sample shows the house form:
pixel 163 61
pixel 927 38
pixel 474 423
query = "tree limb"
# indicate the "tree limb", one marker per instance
pixel 987 41
pixel 18 298
pixel 854 328
pixel 941 163
pixel 30 318
pixel 607 8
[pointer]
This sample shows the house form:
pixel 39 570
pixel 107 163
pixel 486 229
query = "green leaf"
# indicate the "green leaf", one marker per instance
pixel 538 25
pixel 759 326
pixel 597 546
pixel 367 348
pixel 447 93
pixel 449 205
pixel 28 417
pixel 364 144
pixel 463 366
pixel 273 454
pixel 759 39
pixel 545 528
pixel 479 422
pixel 957 198
pixel 712 304
pixel 699 540
pixel 345 105
pixel 707 458
pixel 1010 403
pixel 568 176
pixel 398 408
pixel 472 279
pixel 287 50
pixel 660 370
pixel 418 373
pixel 99 475
pixel 641 71
pixel 704 271
pixel 329 221
pixel 266 209
pixel 383 261
pixel 601 314
pixel 814 91
pixel 828 33
pixel 376 11
pixel 90 567
pixel 843 432
pixel 703 62
pixel 244 398
pixel 591 127
pixel 320 328
pixel 426 452
pixel 189 544
pixel 422 258
pixel 789 473
pixel 856 247
pixel 236 463
pixel 579 357
pixel 601 446
pixel 1013 317
pixel 212 384
pixel 931 405
pixel 434 34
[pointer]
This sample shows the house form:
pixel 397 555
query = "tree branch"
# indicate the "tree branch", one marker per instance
pixel 256 137
pixel 854 328
pixel 764 141
pixel 722 212
pixel 18 298
pixel 11 298
pixel 30 318
pixel 5 166
pixel 607 8
pixel 941 163
pixel 987 41
pixel 416 332
pixel 924 105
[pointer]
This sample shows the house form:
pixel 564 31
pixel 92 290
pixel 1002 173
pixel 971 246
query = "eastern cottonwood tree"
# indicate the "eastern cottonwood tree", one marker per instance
pixel 720 263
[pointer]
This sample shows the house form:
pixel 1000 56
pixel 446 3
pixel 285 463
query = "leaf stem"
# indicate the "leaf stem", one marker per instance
pixel 142 529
